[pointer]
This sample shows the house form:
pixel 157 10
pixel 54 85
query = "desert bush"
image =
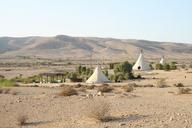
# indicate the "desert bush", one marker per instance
pixel 183 90
pixel 21 120
pixel 104 88
pixel 82 89
pixel 68 91
pixel 90 86
pixel 5 90
pixel 98 110
pixel 133 84
pixel 179 85
pixel 148 85
pixel 161 83
pixel 159 66
pixel 166 67
pixel 77 85
pixel 128 88
pixel 14 93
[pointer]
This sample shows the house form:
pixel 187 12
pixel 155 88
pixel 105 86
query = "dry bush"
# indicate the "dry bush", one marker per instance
pixel 82 89
pixel 179 85
pixel 183 91
pixel 90 87
pixel 104 88
pixel 1 90
pixel 128 88
pixel 133 85
pixel 21 120
pixel 98 110
pixel 14 93
pixel 5 90
pixel 161 83
pixel 77 85
pixel 63 85
pixel 67 91
pixel 148 85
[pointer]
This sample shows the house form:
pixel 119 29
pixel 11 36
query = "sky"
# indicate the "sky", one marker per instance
pixel 157 20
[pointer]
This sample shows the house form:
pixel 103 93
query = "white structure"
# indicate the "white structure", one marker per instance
pixel 97 77
pixel 141 64
pixel 162 60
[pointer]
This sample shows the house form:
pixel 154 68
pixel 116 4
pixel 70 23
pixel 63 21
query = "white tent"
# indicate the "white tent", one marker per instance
pixel 97 77
pixel 141 64
pixel 162 60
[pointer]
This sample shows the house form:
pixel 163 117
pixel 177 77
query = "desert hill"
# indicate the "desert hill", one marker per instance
pixel 62 46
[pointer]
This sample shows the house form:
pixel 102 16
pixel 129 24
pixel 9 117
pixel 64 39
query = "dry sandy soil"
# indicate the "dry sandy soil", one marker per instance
pixel 145 107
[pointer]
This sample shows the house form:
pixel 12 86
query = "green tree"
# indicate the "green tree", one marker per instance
pixel 159 66
pixel 166 67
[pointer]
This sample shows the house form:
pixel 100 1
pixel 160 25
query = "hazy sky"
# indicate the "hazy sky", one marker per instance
pixel 161 20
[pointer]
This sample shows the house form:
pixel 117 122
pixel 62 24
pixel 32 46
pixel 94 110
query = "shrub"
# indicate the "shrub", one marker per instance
pixel 14 93
pixel 5 90
pixel 166 67
pixel 133 85
pixel 77 86
pixel 82 89
pixel 98 110
pixel 183 90
pixel 90 87
pixel 159 66
pixel 105 88
pixel 68 91
pixel 148 85
pixel 161 83
pixel 127 88
pixel 21 120
pixel 179 85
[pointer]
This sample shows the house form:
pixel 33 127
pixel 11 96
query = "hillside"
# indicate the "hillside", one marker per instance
pixel 67 47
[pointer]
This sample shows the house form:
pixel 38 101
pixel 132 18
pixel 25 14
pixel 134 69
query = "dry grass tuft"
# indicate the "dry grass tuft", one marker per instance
pixel 90 87
pixel 67 91
pixel 161 83
pixel 148 85
pixel 104 88
pixel 133 85
pixel 5 90
pixel 82 89
pixel 179 85
pixel 183 91
pixel 99 110
pixel 21 120
pixel 14 93
pixel 128 88
pixel 77 86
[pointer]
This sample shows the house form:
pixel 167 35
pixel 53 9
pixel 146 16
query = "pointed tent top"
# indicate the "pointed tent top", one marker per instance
pixel 141 63
pixel 97 76
pixel 162 60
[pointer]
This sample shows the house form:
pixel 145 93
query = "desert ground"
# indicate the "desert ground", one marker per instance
pixel 144 107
